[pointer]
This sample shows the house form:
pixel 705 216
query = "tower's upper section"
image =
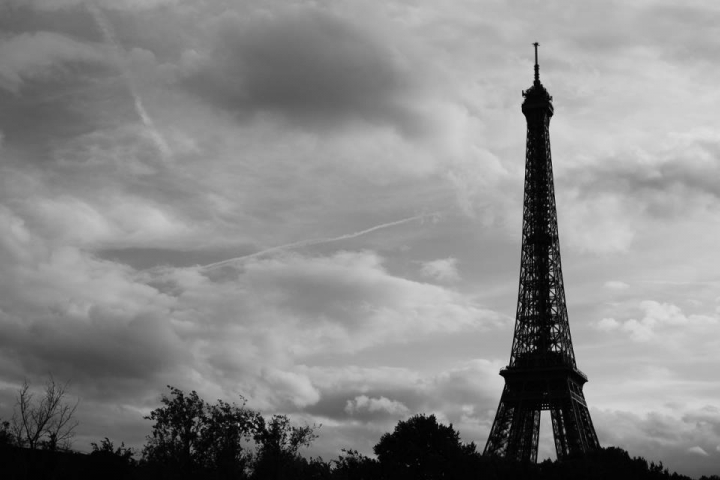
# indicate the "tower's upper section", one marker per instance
pixel 537 99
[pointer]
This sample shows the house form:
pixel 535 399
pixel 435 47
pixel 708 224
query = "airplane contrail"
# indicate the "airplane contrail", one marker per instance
pixel 317 241
pixel 110 39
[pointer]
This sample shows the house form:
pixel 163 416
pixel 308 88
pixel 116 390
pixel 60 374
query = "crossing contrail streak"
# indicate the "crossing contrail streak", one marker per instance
pixel 110 39
pixel 317 241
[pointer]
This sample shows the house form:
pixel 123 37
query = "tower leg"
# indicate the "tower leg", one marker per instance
pixel 525 432
pixel 572 428
pixel 500 431
pixel 516 430
pixel 559 432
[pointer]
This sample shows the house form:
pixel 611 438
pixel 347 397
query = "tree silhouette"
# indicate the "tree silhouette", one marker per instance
pixel 355 466
pixel 175 435
pixel 278 444
pixel 111 463
pixel 195 439
pixel 6 434
pixel 421 448
pixel 226 430
pixel 191 436
pixel 106 449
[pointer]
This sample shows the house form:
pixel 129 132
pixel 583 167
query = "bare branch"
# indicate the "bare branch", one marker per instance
pixel 49 422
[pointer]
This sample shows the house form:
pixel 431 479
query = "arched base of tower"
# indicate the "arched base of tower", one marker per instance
pixel 527 392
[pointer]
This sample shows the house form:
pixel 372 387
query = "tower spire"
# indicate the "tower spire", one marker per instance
pixel 542 373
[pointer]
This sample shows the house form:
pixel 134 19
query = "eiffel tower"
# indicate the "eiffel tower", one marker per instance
pixel 542 374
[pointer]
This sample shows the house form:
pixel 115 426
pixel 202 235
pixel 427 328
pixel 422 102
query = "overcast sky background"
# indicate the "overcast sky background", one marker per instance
pixel 143 140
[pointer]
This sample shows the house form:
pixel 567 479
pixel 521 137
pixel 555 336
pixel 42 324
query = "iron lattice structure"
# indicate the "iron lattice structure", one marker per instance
pixel 542 374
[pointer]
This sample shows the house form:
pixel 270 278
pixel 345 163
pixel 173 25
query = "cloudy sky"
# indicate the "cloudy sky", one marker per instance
pixel 317 205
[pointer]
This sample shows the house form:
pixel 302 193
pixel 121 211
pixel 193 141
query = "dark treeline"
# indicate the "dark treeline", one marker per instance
pixel 192 439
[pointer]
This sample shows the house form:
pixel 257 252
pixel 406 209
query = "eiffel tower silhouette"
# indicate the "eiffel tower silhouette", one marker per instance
pixel 542 374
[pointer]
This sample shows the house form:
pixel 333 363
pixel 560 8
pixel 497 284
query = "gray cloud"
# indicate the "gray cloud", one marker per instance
pixel 99 346
pixel 106 324
pixel 472 383
pixel 311 67
pixel 40 54
pixel 680 175
pixel 707 417
pixel 18 16
pixel 60 5
pixel 54 88
pixel 682 34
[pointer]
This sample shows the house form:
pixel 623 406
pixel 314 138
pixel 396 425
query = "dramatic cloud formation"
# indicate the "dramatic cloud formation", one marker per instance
pixel 318 206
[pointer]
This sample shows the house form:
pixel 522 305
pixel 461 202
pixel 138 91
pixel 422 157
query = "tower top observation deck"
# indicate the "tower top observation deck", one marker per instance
pixel 537 97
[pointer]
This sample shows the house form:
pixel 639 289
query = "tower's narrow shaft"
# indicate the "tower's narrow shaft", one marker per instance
pixel 542 374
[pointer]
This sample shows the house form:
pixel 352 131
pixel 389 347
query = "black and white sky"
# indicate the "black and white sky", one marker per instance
pixel 154 154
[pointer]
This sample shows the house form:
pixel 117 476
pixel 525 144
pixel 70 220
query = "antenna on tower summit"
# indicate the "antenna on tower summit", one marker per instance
pixel 537 67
